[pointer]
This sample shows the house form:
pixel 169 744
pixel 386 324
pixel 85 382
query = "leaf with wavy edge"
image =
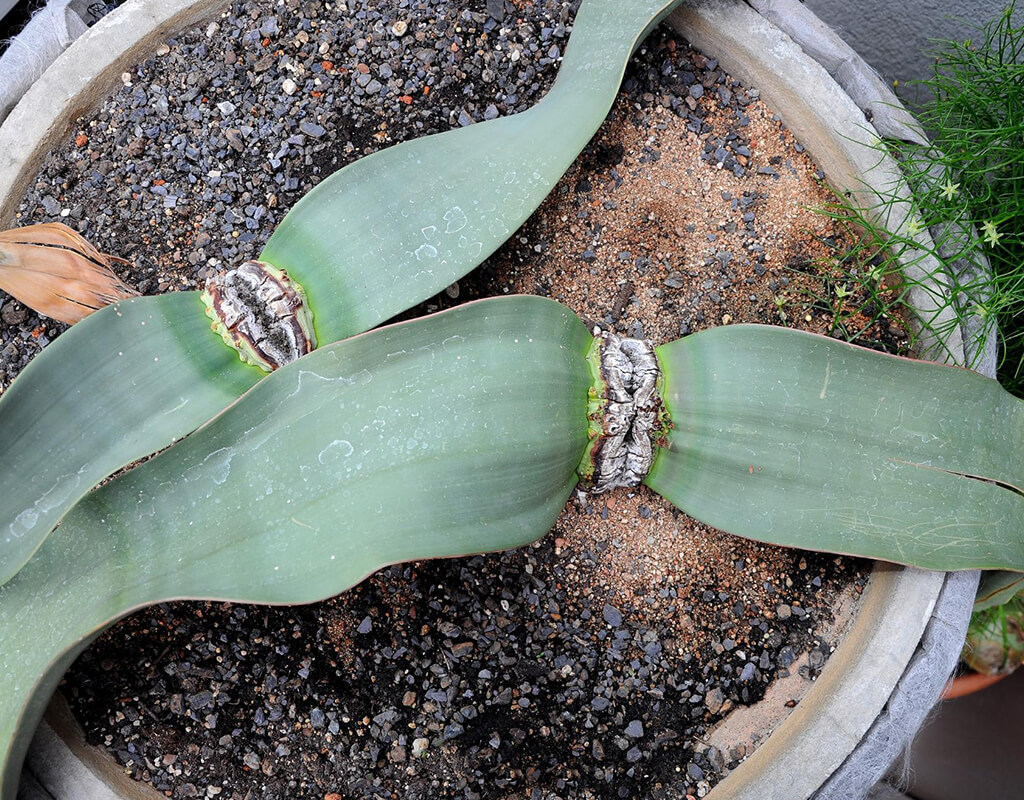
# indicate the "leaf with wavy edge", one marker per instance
pixel 400 223
pixel 800 440
pixel 457 433
pixel 373 239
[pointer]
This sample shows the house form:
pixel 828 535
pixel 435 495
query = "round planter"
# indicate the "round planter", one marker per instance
pixel 894 661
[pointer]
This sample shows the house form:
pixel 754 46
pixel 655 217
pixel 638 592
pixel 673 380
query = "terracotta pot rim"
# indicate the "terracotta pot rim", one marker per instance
pixel 970 682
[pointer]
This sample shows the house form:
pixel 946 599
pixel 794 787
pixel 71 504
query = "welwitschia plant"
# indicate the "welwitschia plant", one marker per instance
pixel 466 431
pixel 452 434
pixel 372 240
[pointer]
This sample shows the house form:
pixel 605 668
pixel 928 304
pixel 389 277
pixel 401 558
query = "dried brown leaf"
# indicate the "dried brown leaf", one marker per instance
pixel 55 271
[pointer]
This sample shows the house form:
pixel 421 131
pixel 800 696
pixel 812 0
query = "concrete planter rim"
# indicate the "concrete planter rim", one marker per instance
pixel 899 604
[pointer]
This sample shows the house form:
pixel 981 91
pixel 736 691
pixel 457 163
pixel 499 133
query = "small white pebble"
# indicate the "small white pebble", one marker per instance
pixel 126 78
pixel 163 49
pixel 400 27
pixel 289 87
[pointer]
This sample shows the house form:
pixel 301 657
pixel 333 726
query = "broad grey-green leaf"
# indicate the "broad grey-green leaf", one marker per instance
pixel 456 433
pixel 803 441
pixel 124 382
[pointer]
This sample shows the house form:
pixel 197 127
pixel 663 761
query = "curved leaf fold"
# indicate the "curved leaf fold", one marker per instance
pixel 123 383
pixel 458 433
pixel 998 588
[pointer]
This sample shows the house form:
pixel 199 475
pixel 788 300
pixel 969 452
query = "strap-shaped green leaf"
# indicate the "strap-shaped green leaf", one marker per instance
pixel 400 225
pixel 453 434
pixel 803 441
pixel 375 238
pixel 123 383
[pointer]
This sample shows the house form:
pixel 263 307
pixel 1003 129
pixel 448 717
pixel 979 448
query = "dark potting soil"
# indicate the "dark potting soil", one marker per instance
pixel 595 663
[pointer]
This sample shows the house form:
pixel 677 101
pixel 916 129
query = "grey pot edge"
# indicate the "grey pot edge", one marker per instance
pixel 898 602
pixel 79 79
pixel 60 764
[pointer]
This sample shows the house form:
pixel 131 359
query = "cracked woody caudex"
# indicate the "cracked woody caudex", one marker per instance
pixel 262 313
pixel 625 412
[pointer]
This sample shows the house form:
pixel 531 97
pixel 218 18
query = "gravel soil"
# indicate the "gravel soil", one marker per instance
pixel 596 663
